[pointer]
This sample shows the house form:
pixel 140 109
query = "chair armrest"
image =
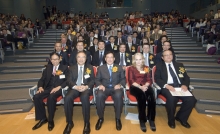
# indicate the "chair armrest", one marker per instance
pixel 94 93
pixel 32 91
pixel 191 88
pixel 156 86
pixel 64 91
pixel 125 94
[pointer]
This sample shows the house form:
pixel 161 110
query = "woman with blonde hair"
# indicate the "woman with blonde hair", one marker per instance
pixel 139 80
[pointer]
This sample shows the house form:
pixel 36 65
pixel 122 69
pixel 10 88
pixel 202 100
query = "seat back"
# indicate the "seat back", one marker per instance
pixel 126 76
pixel 155 50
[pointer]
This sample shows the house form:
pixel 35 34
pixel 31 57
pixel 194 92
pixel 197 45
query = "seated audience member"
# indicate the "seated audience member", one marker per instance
pixel 98 57
pixel 80 81
pixel 217 15
pixel 160 42
pixel 128 28
pixel 109 85
pixel 94 47
pixel 6 39
pixel 112 46
pixel 66 45
pixel 21 35
pixel 89 41
pixel 174 76
pixel 64 60
pixel 130 47
pixel 139 79
pixel 122 58
pixel 96 34
pixel 49 86
pixel 212 34
pixel 166 46
pixel 119 39
pixel 140 22
pixel 113 32
pixel 79 48
pixel 83 33
pixel 135 40
pixel 70 36
pixel 59 22
pixel 37 26
pixel 142 34
pixel 102 31
pixel 149 59
pixel 155 35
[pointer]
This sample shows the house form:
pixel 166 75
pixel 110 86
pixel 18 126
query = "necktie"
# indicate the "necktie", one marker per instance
pixel 54 71
pixel 79 80
pixel 146 60
pixel 122 60
pixel 100 58
pixel 110 73
pixel 175 81
pixel 119 40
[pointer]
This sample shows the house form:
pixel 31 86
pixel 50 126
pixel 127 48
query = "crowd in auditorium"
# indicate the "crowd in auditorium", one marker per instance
pixel 96 40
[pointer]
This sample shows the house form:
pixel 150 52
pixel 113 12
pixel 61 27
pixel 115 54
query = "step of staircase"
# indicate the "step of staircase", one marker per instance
pixel 203 70
pixel 195 60
pixel 16 107
pixel 11 78
pixel 207 94
pixel 15 71
pixel 26 85
pixel 209 86
pixel 204 77
pixel 208 108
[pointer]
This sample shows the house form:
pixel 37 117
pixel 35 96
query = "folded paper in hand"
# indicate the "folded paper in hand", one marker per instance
pixel 180 92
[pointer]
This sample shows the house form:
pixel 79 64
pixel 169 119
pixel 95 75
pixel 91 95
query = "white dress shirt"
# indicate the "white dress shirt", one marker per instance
pixel 123 60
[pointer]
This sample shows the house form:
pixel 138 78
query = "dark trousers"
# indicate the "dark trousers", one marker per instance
pixel 68 104
pixel 117 98
pixel 142 97
pixel 188 102
pixel 40 112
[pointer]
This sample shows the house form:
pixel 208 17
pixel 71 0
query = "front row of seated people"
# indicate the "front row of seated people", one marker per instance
pixel 109 80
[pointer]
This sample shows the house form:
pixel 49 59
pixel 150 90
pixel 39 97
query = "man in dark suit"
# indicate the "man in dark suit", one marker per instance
pixel 149 58
pixel 49 86
pixel 142 34
pixel 119 38
pixel 130 47
pixel 66 45
pixel 102 31
pixel 89 41
pixel 169 75
pixel 165 46
pixel 112 46
pixel 109 79
pixel 6 39
pixel 135 40
pixel 80 81
pixel 98 57
pixel 64 60
pixel 79 48
pixel 124 59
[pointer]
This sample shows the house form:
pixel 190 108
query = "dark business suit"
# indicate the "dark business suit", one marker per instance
pixel 103 78
pixel 68 47
pixel 122 40
pixel 72 59
pixel 48 81
pixel 72 93
pixel 141 35
pixel 131 50
pixel 137 41
pixel 64 58
pixel 161 77
pixel 92 50
pixel 127 58
pixel 96 57
pixel 6 38
pixel 151 61
pixel 115 48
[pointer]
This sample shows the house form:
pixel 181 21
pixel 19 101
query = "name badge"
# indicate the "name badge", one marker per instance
pixel 181 75
pixel 62 76
pixel 132 50
pixel 86 76
pixel 64 50
pixel 151 62
pixel 128 61
pixel 142 72
pixel 115 48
